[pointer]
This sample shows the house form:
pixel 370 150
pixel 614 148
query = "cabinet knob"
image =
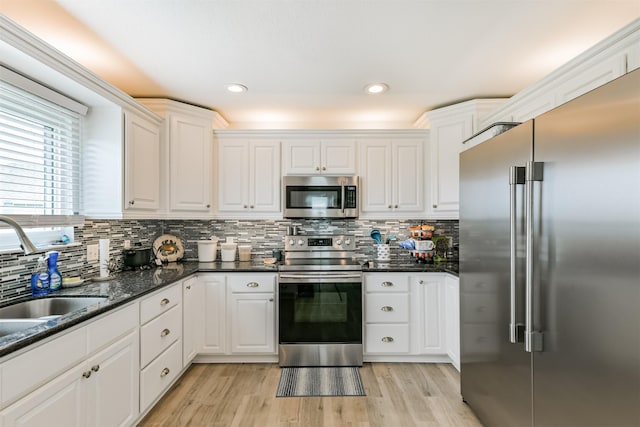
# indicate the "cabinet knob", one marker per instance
pixel 324 168
pixel 86 374
pixel 270 299
pixel 387 284
pixel 396 206
pixel 165 332
pixel 317 168
pixel 245 206
pixel 421 281
pixel 386 308
pixel 131 202
pixel 164 372
pixel 435 206
pixel 251 206
pixel 208 206
pixel 252 284
pixel 95 368
pixel 390 206
pixel 188 287
pixel 387 339
pixel 164 301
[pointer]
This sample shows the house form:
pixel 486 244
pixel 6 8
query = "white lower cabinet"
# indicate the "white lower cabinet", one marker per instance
pixel 452 310
pixel 252 313
pixel 214 313
pixel 239 314
pixel 160 343
pixel 102 390
pixel 410 317
pixel 192 325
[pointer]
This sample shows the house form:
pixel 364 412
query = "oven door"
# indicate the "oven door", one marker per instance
pixel 320 319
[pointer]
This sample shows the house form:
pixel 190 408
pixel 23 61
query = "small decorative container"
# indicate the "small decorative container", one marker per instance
pixel 383 252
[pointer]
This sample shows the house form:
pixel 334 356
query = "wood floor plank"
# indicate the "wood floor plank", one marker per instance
pixel 397 394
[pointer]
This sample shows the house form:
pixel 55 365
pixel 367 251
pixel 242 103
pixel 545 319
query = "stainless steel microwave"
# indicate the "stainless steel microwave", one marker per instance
pixel 320 196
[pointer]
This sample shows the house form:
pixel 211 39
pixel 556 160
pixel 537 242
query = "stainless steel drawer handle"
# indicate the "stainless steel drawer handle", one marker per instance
pixel 164 301
pixel 386 308
pixel 95 368
pixel 387 339
pixel 86 374
pixel 253 284
pixel 165 332
pixel 387 284
pixel 165 372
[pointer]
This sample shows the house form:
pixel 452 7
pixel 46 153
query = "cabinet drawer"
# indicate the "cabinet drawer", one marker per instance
pixel 159 334
pixel 251 283
pixel 386 283
pixel 386 339
pixel 386 308
pixel 107 329
pixel 159 303
pixel 159 374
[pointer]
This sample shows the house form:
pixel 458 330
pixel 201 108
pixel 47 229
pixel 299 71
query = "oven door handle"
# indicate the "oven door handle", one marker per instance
pixel 320 277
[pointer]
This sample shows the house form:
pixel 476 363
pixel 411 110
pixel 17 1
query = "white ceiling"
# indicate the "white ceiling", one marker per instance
pixel 306 62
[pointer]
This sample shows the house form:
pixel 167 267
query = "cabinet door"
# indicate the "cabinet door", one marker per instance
pixel 338 157
pixel 252 317
pixel 190 158
pixel 214 313
pixel 408 176
pixel 60 402
pixel 429 321
pixel 375 177
pixel 301 157
pixel 452 313
pixel 446 145
pixel 114 384
pixel 264 176
pixel 233 176
pixel 193 318
pixel 142 164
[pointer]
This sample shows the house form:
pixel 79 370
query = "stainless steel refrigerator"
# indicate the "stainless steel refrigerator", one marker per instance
pixel 550 266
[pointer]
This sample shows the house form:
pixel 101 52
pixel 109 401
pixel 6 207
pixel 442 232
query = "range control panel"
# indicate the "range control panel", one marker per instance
pixel 319 243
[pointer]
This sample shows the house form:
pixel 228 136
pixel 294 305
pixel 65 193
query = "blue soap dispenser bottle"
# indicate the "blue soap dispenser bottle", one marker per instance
pixel 40 284
pixel 55 278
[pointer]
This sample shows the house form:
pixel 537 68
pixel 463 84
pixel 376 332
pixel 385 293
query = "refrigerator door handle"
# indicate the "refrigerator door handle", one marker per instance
pixel 516 177
pixel 532 339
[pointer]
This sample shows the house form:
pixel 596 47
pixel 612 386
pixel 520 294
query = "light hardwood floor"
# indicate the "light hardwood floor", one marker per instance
pixel 398 394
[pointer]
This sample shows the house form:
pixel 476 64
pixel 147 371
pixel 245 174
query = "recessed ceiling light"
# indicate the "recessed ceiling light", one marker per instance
pixel 376 88
pixel 237 88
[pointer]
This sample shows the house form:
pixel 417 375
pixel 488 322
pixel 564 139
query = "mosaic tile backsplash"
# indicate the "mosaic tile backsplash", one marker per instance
pixel 264 236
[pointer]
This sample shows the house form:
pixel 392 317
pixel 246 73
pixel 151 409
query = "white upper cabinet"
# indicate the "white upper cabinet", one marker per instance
pixel 311 156
pixel 248 176
pixel 186 172
pixel 142 165
pixel 450 126
pixel 392 177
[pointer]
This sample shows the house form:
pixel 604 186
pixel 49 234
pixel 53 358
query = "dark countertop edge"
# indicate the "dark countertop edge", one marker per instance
pixel 17 342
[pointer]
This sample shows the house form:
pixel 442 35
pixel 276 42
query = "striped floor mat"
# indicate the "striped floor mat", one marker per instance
pixel 299 382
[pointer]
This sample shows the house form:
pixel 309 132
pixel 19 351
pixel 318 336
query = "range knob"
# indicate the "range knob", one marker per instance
pixel 339 242
pixel 292 242
pixel 300 242
pixel 347 241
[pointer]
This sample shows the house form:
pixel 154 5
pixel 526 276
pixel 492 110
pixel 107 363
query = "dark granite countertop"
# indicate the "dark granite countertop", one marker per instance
pixel 127 286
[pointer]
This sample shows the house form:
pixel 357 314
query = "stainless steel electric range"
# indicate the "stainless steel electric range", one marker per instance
pixel 320 302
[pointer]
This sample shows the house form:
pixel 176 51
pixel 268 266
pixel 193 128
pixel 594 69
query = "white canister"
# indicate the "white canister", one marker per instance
pixel 207 250
pixel 228 251
pixel 244 252
pixel 383 252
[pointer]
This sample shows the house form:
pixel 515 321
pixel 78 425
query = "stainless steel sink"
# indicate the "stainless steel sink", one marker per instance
pixel 11 326
pixel 47 308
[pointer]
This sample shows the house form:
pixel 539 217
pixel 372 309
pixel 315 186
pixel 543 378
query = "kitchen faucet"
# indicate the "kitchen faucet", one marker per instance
pixel 25 243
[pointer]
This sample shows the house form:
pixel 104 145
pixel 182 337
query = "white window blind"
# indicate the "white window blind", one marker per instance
pixel 39 155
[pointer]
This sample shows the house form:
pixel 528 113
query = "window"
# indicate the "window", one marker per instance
pixel 40 159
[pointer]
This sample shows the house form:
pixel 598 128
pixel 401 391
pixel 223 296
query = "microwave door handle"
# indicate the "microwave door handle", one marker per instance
pixel 344 193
